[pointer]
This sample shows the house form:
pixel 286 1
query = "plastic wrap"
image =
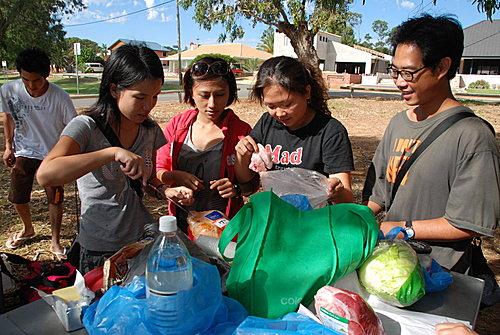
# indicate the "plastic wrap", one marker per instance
pixel 305 189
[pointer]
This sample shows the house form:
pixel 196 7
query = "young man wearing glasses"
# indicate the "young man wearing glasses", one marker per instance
pixel 450 194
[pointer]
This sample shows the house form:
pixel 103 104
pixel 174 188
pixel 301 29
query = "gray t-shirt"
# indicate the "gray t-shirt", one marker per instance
pixel 457 177
pixel 204 164
pixel 113 215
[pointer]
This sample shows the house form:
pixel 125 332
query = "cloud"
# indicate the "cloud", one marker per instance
pixel 407 4
pixel 120 19
pixel 105 3
pixel 166 18
pixel 152 13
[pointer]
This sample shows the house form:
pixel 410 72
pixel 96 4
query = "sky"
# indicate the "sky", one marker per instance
pixel 159 24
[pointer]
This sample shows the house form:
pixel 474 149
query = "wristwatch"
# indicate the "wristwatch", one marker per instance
pixel 409 229
pixel 237 188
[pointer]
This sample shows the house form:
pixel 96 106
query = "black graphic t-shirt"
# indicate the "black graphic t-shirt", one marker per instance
pixel 322 145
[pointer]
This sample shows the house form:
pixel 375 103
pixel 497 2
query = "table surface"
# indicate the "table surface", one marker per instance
pixel 460 301
pixel 37 317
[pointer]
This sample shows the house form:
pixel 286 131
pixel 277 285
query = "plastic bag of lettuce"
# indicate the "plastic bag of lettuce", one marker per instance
pixel 393 273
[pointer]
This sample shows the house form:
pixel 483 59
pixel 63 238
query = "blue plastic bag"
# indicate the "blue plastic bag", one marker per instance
pixel 298 200
pixel 124 310
pixel 291 323
pixel 436 279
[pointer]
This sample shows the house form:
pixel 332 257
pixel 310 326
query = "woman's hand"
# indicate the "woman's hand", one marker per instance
pixel 225 187
pixel 132 165
pixel 246 146
pixel 335 188
pixel 187 179
pixel 180 194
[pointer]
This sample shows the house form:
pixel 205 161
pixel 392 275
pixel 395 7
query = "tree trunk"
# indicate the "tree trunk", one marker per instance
pixel 302 41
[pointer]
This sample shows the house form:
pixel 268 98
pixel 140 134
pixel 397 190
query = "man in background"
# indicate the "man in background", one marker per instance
pixel 35 113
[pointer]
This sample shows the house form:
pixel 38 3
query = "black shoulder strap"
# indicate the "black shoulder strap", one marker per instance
pixel 115 141
pixel 435 133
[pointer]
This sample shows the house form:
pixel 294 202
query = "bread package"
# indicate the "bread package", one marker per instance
pixel 209 223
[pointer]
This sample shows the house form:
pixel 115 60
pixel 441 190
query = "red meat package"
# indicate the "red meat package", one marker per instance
pixel 346 312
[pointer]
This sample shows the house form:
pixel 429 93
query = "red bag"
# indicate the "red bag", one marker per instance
pixel 46 277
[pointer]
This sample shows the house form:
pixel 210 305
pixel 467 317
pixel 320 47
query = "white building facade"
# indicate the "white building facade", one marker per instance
pixel 335 56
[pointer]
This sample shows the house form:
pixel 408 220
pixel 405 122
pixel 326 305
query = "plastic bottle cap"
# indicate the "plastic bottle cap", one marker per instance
pixel 168 224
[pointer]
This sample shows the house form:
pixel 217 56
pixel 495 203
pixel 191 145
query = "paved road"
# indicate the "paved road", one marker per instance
pixel 244 90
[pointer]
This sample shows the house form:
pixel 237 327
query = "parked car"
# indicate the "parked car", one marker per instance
pixel 94 67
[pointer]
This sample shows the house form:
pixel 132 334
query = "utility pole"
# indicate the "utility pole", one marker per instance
pixel 179 42
pixel 76 47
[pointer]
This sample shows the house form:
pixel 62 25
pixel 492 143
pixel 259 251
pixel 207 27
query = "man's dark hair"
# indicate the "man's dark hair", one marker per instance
pixel 33 60
pixel 437 37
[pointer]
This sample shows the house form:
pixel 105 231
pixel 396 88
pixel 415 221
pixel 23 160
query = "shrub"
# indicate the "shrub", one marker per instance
pixel 480 84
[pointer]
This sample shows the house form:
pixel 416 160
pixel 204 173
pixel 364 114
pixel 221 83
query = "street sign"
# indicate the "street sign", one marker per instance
pixel 76 47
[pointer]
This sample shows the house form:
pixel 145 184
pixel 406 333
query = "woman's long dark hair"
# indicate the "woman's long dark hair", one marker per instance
pixel 127 65
pixel 293 75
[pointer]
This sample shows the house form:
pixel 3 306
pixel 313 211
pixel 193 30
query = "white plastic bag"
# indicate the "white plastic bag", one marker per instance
pixel 308 183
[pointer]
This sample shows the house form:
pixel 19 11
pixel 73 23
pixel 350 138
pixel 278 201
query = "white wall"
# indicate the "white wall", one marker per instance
pixel 282 46
pixel 467 79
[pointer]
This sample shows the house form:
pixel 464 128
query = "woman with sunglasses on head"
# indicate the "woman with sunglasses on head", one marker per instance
pixel 201 153
pixel 297 129
pixel 108 170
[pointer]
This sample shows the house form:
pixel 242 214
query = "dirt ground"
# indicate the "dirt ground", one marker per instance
pixel 365 120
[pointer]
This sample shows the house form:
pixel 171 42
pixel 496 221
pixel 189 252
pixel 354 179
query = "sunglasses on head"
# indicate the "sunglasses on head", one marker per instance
pixel 217 68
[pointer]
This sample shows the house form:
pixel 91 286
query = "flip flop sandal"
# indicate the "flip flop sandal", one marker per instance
pixel 61 256
pixel 14 239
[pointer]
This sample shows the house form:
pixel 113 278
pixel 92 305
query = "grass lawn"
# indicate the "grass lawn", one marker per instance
pixel 86 85
pixel 483 91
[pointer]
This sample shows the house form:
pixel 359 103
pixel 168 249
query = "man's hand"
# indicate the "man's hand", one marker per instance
pixel 8 157
pixel 453 328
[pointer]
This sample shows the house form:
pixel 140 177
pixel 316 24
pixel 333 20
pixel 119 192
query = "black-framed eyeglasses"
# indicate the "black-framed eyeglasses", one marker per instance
pixel 201 69
pixel 405 74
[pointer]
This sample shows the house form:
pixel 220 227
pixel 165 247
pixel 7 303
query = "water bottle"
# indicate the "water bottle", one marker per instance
pixel 169 270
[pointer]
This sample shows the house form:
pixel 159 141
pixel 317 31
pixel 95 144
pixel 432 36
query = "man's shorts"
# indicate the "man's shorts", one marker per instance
pixel 21 183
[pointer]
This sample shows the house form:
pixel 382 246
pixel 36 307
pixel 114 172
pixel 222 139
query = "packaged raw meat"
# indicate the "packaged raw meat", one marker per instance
pixel 261 161
pixel 209 223
pixel 346 312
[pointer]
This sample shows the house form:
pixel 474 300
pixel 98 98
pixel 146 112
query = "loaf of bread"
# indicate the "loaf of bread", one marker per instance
pixel 209 223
